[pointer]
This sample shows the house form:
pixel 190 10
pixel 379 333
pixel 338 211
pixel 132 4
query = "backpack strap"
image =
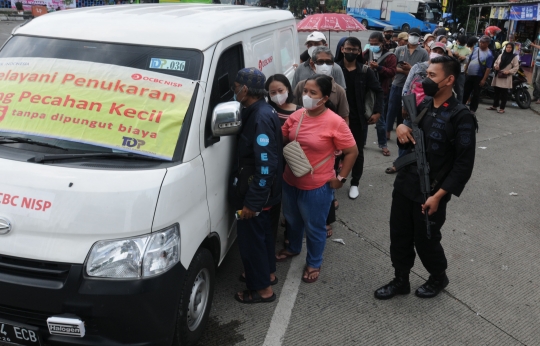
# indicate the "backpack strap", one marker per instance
pixel 384 56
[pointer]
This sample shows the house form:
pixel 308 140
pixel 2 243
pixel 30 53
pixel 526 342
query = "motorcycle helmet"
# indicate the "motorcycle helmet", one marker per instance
pixel 498 45
pixel 503 45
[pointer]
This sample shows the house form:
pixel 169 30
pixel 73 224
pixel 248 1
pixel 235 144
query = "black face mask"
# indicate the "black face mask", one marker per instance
pixel 350 57
pixel 431 88
pixel 388 36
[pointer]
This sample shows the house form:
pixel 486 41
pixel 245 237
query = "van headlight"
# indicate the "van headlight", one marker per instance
pixel 137 257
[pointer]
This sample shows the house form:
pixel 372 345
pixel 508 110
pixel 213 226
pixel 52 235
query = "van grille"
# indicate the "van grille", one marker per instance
pixel 40 273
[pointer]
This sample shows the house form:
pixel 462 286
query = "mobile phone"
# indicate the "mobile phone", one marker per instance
pixel 400 62
pixel 238 214
pixel 374 60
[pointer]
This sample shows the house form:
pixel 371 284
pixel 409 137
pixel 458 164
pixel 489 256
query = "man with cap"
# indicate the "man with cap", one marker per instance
pixel 428 38
pixel 462 53
pixel 402 39
pixel 389 44
pixel 478 69
pixel 260 154
pixel 407 57
pixel 438 27
pixel 304 70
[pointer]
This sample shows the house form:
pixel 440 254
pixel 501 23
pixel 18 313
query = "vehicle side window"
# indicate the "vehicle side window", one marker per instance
pixel 230 62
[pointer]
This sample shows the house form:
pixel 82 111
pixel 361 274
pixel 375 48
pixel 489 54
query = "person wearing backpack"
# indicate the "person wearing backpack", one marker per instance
pixel 383 63
pixel 359 79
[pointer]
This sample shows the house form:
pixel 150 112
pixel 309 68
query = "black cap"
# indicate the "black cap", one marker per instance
pixel 415 31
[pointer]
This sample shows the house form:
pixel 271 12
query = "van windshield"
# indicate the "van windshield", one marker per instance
pixel 95 96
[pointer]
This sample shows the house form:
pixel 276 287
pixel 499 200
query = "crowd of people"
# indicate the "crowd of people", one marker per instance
pixel 300 141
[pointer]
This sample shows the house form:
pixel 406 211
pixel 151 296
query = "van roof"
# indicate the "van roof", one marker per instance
pixel 196 26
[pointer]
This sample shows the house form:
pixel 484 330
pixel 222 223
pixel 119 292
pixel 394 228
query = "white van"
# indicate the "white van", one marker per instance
pixel 114 167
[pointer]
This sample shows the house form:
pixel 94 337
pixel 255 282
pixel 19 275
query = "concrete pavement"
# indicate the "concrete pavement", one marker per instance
pixel 491 239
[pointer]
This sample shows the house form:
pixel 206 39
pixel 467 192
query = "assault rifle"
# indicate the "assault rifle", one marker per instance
pixel 409 102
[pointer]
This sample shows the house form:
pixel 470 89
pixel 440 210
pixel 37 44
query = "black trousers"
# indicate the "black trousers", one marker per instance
pixel 472 86
pixel 501 94
pixel 408 231
pixel 257 250
pixel 358 133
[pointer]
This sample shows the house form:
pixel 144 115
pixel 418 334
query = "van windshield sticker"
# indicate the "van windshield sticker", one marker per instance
pixel 111 106
pixel 167 64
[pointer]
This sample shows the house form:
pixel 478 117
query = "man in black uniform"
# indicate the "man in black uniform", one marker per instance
pixel 449 137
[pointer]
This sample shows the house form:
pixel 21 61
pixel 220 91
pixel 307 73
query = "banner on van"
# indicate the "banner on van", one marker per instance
pixel 107 105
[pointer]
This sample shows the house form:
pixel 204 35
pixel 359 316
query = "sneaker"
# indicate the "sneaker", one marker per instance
pixel 432 287
pixel 353 192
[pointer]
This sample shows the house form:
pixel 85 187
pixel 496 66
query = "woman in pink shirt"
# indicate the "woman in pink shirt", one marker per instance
pixel 306 200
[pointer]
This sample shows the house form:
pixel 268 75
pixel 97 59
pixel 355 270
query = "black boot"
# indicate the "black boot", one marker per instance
pixel 433 286
pixel 400 285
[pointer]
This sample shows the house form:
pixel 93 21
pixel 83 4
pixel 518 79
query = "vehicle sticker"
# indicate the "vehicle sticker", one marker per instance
pixel 263 140
pixel 26 202
pixel 167 64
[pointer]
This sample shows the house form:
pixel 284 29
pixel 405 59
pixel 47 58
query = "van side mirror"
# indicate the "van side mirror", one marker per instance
pixel 226 119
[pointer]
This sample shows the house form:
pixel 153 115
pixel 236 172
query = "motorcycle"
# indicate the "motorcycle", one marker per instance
pixel 519 92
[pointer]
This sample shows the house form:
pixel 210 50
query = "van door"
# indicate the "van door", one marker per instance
pixel 287 42
pixel 218 153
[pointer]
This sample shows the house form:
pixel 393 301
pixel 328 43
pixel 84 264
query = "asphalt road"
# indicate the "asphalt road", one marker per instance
pixel 491 239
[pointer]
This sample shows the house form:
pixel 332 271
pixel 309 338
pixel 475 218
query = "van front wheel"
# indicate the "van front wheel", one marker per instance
pixel 195 300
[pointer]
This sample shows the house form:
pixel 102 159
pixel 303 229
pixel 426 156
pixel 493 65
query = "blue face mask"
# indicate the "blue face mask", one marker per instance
pixel 234 97
pixel 375 49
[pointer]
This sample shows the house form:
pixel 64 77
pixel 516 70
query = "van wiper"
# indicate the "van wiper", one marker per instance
pixel 10 140
pixel 44 158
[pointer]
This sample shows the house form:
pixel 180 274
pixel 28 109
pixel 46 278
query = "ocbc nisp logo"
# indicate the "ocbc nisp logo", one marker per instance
pixel 132 142
pixel 136 76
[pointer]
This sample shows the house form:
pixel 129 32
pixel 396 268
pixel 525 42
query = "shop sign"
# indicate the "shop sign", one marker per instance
pixel 524 12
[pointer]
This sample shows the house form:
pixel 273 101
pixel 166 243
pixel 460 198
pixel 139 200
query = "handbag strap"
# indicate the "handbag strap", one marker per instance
pixel 299 123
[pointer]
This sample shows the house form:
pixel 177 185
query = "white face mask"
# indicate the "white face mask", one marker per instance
pixel 311 49
pixel 413 39
pixel 279 99
pixel 310 103
pixel 324 69
pixel 433 55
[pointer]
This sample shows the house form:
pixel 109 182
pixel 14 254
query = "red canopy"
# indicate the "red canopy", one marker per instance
pixel 330 22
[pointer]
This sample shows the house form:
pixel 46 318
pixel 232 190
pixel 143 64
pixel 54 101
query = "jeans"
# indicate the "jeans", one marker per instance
pixel 459 86
pixel 380 127
pixel 358 133
pixel 501 94
pixel 306 211
pixel 472 86
pixel 536 81
pixel 394 108
pixel 257 250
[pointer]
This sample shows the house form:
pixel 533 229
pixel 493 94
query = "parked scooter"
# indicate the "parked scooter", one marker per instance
pixel 519 92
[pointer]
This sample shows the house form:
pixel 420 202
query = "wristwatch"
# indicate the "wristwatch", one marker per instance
pixel 340 178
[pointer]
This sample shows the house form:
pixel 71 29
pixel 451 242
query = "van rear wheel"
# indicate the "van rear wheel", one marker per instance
pixel 364 22
pixel 195 299
pixel 405 27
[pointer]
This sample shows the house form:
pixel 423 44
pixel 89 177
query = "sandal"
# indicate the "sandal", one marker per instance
pixel 336 204
pixel 284 252
pixel 255 297
pixel 491 108
pixel 385 152
pixel 308 273
pixel 390 170
pixel 500 111
pixel 242 278
pixel 329 231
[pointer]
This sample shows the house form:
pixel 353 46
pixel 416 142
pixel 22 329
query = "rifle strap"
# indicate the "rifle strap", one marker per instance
pixel 422 113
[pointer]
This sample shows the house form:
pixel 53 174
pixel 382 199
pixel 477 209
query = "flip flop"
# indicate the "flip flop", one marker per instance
pixel 255 297
pixel 385 152
pixel 242 278
pixel 283 252
pixel 501 111
pixel 390 170
pixel 329 231
pixel 309 272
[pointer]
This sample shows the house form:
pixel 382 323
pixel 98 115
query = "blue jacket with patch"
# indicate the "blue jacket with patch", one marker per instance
pixel 260 144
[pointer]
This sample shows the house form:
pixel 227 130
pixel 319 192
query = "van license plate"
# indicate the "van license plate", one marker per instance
pixel 14 335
